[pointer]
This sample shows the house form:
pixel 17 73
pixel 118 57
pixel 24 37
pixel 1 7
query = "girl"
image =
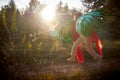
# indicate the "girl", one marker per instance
pixel 86 36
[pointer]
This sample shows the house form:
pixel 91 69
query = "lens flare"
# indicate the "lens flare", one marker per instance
pixel 48 13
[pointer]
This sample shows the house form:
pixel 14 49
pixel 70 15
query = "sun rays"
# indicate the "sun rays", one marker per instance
pixel 48 13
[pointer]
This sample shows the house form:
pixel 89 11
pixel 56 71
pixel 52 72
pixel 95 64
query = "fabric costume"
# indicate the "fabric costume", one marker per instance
pixel 87 25
pixel 79 54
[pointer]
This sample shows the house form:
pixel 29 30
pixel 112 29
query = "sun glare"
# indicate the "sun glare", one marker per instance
pixel 48 13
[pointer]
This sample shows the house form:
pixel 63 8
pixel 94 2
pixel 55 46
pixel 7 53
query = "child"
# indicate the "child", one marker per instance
pixel 87 40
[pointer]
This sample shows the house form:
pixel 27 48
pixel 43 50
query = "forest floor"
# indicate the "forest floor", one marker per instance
pixel 89 70
pixel 55 67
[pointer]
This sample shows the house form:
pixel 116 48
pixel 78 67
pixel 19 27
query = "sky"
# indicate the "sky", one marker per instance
pixel 22 4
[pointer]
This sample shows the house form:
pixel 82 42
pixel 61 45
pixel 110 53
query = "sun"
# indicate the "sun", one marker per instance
pixel 48 13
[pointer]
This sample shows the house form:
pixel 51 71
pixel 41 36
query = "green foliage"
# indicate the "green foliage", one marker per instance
pixel 13 27
pixel 94 4
pixel 3 17
pixel 64 32
pixel 33 5
pixel 104 12
pixel 4 32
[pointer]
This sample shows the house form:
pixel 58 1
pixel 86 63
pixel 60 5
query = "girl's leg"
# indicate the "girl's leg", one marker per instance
pixel 89 48
pixel 73 50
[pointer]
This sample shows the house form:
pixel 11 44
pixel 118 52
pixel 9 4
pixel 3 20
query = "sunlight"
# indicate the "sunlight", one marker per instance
pixel 48 13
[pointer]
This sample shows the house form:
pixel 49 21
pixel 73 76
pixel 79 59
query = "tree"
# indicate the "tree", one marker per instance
pixel 11 16
pixel 113 20
pixel 5 42
pixel 33 5
pixel 59 7
pixel 65 8
pixel 12 4
pixel 94 4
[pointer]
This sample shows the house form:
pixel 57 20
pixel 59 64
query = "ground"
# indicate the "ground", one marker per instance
pixel 89 70
pixel 55 67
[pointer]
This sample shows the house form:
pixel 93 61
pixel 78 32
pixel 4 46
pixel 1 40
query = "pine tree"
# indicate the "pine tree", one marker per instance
pixel 33 5
pixel 13 16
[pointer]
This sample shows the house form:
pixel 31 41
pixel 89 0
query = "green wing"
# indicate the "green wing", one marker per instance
pixel 88 22
pixel 64 32
pixel 84 25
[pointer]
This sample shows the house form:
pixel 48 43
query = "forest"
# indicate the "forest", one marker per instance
pixel 30 50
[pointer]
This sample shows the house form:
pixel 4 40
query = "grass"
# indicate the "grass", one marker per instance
pixel 49 63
